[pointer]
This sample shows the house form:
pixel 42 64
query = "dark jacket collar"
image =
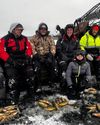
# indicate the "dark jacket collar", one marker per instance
pixel 66 37
pixel 11 35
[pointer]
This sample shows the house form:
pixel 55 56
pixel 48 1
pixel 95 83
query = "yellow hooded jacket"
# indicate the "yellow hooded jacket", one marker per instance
pixel 88 41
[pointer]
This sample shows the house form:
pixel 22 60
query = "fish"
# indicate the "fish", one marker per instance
pixel 96 114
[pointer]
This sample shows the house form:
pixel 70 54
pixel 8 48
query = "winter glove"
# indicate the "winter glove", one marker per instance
pixel 9 62
pixel 70 87
pixel 49 60
pixel 42 59
pixel 89 57
pixel 64 74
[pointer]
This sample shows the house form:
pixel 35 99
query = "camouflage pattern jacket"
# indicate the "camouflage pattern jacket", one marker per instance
pixel 43 45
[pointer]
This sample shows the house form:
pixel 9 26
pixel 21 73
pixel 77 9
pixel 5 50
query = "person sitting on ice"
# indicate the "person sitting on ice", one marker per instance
pixel 44 51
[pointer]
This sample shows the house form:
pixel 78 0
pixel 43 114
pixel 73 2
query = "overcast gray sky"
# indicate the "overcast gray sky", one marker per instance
pixel 32 12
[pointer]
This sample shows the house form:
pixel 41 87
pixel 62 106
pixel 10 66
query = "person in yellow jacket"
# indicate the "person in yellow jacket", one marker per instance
pixel 91 38
pixel 90 43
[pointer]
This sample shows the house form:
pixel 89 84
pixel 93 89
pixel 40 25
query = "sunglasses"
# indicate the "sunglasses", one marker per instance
pixel 43 28
pixel 19 29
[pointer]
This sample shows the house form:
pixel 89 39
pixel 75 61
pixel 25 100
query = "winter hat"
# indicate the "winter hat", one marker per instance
pixel 43 25
pixel 15 25
pixel 69 26
pixel 80 52
pixel 95 27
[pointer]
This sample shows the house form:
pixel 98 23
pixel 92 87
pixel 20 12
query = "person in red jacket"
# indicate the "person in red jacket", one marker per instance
pixel 16 52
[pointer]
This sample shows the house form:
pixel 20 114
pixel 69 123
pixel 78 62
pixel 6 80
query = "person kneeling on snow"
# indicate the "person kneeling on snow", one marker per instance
pixel 76 74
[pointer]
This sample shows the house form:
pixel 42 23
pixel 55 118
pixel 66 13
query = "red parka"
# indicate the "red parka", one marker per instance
pixel 11 46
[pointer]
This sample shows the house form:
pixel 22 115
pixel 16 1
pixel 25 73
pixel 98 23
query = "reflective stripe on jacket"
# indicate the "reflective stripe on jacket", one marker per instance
pixel 88 41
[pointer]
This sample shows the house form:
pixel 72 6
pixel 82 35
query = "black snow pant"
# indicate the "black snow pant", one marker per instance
pixel 45 62
pixel 79 84
pixel 19 78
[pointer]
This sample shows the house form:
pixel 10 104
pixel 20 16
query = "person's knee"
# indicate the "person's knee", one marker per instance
pixel 12 83
pixel 91 81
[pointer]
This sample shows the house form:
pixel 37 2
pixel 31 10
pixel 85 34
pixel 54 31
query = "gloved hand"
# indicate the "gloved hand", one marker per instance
pixel 49 60
pixel 9 62
pixel 89 57
pixel 70 87
pixel 42 59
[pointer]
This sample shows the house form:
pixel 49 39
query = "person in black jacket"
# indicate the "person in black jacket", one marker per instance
pixel 77 73
pixel 66 48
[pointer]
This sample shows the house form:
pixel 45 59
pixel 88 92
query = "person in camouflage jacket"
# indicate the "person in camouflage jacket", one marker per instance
pixel 42 42
pixel 44 49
